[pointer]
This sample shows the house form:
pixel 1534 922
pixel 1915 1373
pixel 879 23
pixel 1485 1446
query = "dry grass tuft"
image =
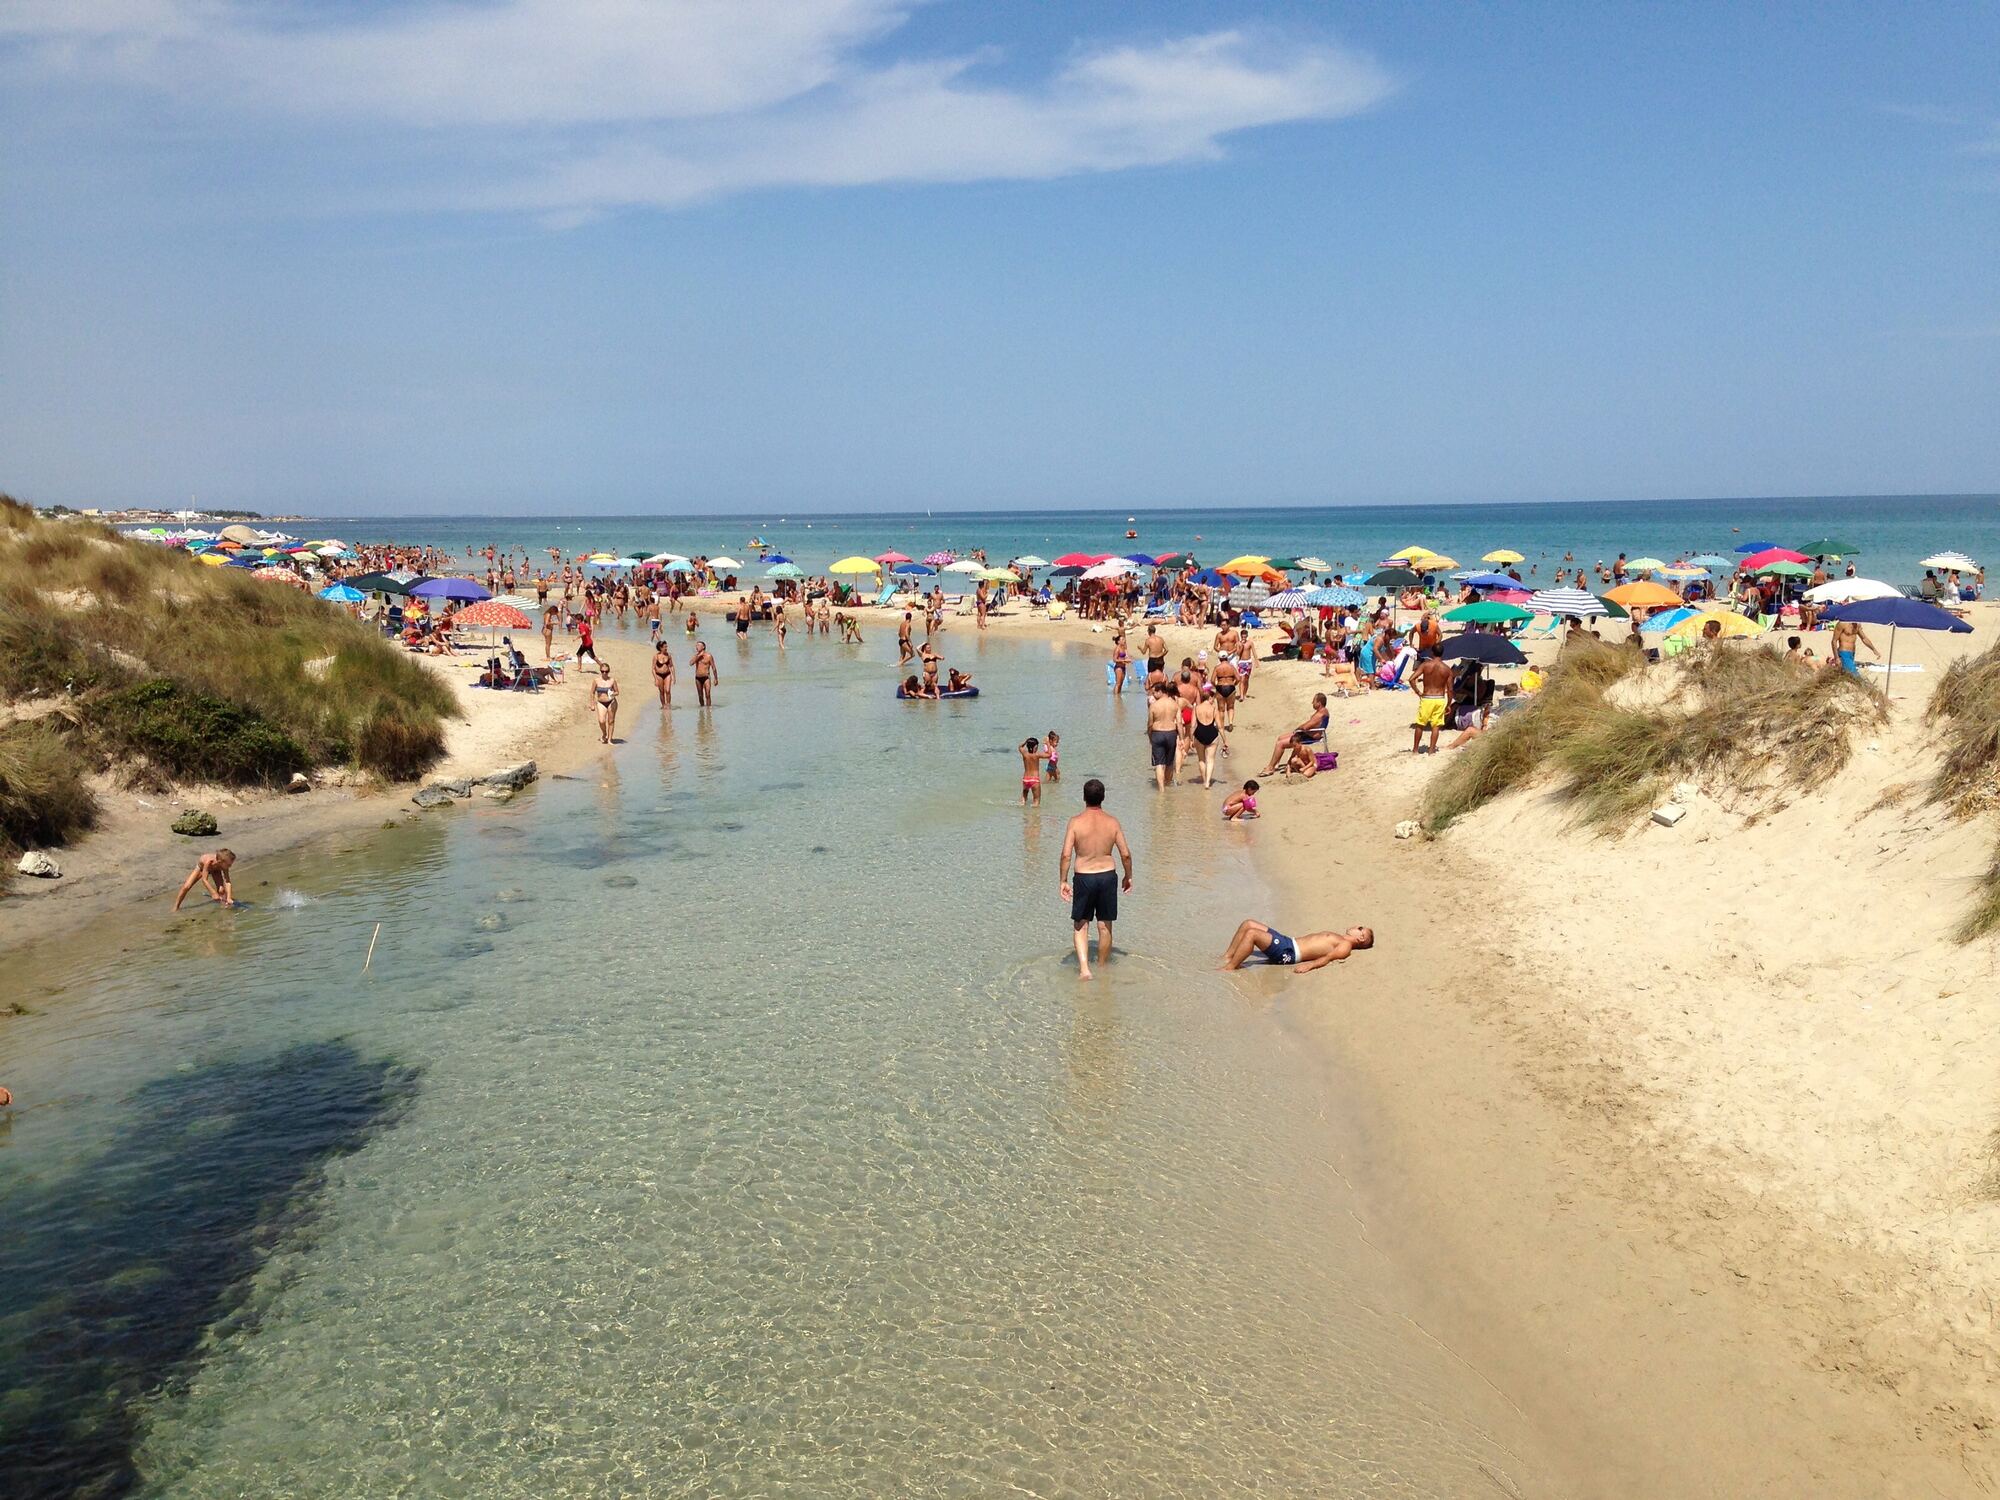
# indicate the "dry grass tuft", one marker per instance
pixel 1966 704
pixel 1743 715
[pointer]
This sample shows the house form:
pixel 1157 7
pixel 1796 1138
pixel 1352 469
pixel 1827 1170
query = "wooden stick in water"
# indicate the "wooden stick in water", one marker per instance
pixel 371 948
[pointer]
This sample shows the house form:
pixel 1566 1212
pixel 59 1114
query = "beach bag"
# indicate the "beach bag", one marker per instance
pixel 1326 760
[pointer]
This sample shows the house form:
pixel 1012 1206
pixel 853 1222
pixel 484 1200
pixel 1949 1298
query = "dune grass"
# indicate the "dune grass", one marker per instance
pixel 178 670
pixel 1966 708
pixel 1743 715
pixel 44 798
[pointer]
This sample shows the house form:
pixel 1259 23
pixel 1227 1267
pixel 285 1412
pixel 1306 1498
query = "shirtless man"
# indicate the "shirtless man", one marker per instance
pixel 904 650
pixel 1845 634
pixel 1433 686
pixel 1227 642
pixel 1156 655
pixel 1033 754
pixel 663 673
pixel 1091 839
pixel 706 675
pixel 1313 951
pixel 605 691
pixel 1163 733
pixel 744 610
pixel 1313 725
pixel 211 870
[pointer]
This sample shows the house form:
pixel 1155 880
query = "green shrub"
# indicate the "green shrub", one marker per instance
pixel 192 734
pixel 43 797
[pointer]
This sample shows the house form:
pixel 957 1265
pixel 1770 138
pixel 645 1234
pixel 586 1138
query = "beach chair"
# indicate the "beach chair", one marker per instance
pixel 888 595
pixel 1542 629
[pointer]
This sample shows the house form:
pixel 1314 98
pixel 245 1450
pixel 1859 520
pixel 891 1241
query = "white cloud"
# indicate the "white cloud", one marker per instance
pixel 665 102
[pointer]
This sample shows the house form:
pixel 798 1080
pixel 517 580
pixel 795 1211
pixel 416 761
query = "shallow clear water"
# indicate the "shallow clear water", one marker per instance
pixel 727 1121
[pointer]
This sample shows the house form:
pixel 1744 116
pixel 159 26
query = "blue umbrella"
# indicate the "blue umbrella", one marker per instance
pixel 1491 581
pixel 1756 547
pixel 912 570
pixel 1335 598
pixel 1143 559
pixel 245 562
pixel 1495 650
pixel 1713 560
pixel 450 588
pixel 1208 578
pixel 679 565
pixel 1898 614
pixel 775 558
pixel 340 593
pixel 1667 619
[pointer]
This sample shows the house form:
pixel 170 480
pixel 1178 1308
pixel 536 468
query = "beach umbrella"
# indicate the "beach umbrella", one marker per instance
pixel 1613 610
pixel 1645 565
pixel 677 565
pixel 1683 573
pixel 1208 578
pixel 1848 590
pixel 1898 614
pixel 1433 562
pixel 774 558
pixel 1667 619
pixel 853 565
pixel 1488 580
pixel 1072 571
pixel 450 588
pixel 889 558
pixel 1245 566
pixel 719 563
pixel 1949 561
pixel 341 593
pixel 1000 575
pixel 1732 624
pixel 1409 553
pixel 1486 612
pixel 1142 559
pixel 382 583
pixel 1644 595
pixel 1392 578
pixel 1756 547
pixel 659 559
pixel 785 570
pixel 1286 564
pixel 1757 561
pixel 1828 547
pixel 1314 564
pixel 1335 598
pixel 1713 560
pixel 967 565
pixel 1783 569
pixel 215 559
pixel 492 614
pixel 1493 650
pixel 912 570
pixel 600 557
pixel 939 559
pixel 1288 599
pixel 1503 555
pixel 1031 561
pixel 279 575
pixel 1567 602
pixel 1078 560
pixel 245 560
pixel 1116 568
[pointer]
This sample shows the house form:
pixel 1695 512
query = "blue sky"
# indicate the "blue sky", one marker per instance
pixel 700 255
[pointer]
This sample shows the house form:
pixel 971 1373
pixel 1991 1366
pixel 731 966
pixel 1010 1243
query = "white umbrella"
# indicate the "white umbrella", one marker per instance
pixel 1846 590
pixel 1950 560
pixel 1031 561
pixel 964 565
pixel 666 557
pixel 1314 564
pixel 724 562
pixel 1118 567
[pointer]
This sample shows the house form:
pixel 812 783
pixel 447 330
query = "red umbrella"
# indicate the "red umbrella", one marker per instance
pixel 1768 556
pixel 890 559
pixel 491 614
pixel 1078 560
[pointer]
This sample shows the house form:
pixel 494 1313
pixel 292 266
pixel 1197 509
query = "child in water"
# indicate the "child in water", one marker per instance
pixel 1054 743
pixel 1033 754
pixel 1240 805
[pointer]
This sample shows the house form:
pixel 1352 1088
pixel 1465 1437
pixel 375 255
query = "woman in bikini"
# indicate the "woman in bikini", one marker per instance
pixel 1207 730
pixel 663 673
pixel 605 689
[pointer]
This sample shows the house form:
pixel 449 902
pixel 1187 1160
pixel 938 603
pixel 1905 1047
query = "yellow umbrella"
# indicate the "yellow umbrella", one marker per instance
pixel 1001 575
pixel 600 557
pixel 1434 561
pixel 1246 566
pixel 1732 624
pixel 1412 552
pixel 1503 555
pixel 216 559
pixel 856 565
pixel 1643 595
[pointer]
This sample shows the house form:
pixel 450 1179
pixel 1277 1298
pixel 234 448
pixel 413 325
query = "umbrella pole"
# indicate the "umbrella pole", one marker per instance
pixel 1889 667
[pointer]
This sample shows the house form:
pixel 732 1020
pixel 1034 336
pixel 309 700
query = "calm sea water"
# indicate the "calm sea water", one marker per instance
pixel 726 1121
pixel 1893 533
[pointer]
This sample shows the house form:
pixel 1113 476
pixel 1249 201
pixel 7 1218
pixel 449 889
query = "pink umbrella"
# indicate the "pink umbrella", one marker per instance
pixel 939 559
pixel 492 615
pixel 889 559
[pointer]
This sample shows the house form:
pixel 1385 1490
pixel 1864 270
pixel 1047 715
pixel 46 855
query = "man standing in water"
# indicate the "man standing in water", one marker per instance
pixel 1091 840
pixel 904 650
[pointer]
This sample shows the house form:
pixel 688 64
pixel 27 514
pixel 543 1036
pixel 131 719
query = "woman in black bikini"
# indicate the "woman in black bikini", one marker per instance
pixel 663 674
pixel 1207 730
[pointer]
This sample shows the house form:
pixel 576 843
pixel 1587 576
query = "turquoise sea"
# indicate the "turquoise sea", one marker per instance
pixel 1892 532
pixel 726 1120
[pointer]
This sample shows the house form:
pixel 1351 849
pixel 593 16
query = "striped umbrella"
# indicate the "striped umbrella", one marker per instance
pixel 491 614
pixel 939 559
pixel 1289 599
pixel 1566 602
pixel 1335 598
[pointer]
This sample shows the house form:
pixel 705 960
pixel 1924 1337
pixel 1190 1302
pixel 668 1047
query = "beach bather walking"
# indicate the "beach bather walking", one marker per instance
pixel 1087 877
pixel 604 692
pixel 211 870
pixel 1433 682
pixel 1313 951
pixel 706 675
pixel 663 673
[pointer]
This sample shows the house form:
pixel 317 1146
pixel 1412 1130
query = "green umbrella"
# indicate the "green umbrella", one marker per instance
pixel 784 570
pixel 1288 564
pixel 1787 569
pixel 1828 547
pixel 1613 608
pixel 1488 612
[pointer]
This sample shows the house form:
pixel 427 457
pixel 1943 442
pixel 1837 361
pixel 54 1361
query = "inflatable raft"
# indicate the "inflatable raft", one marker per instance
pixel 971 692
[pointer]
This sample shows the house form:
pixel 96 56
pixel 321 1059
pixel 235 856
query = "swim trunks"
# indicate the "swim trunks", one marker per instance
pixel 1094 897
pixel 1155 664
pixel 742 627
pixel 1163 745
pixel 1431 711
pixel 1847 663
pixel 1282 950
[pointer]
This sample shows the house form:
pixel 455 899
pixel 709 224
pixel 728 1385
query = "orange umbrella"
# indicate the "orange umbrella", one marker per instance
pixel 1643 595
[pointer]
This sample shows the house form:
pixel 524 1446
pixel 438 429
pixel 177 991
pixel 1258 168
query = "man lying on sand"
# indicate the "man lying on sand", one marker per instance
pixel 211 870
pixel 1313 951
